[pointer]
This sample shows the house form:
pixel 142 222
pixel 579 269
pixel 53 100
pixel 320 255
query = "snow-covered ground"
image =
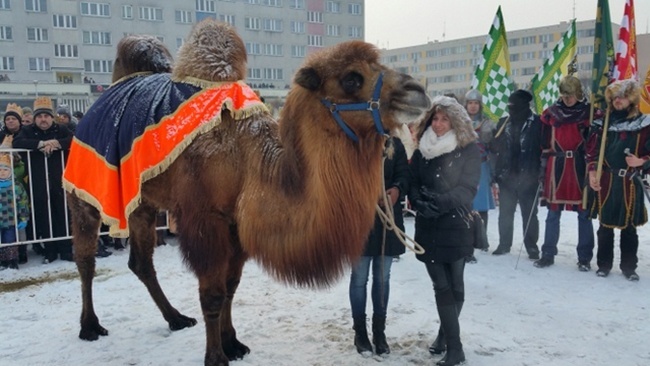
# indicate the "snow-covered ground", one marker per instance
pixel 514 314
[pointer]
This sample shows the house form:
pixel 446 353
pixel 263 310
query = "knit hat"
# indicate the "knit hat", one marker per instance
pixel 43 105
pixel 5 160
pixel 27 110
pixel 14 110
pixel 63 110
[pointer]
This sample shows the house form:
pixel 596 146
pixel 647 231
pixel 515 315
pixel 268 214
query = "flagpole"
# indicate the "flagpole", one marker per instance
pixel 591 122
pixel 603 141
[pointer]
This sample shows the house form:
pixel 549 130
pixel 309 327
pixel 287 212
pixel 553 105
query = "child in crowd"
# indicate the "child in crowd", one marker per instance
pixel 10 194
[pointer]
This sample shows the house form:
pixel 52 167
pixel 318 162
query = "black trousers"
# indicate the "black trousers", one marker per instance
pixel 448 279
pixel 509 197
pixel 629 246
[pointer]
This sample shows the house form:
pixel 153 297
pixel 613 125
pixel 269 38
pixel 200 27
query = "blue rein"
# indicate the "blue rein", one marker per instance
pixel 372 105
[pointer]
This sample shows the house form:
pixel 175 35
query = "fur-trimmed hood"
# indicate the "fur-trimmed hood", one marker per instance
pixel 461 124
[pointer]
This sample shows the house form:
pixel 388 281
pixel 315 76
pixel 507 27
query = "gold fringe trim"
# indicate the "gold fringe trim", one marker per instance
pixel 131 76
pixel 201 83
pixel 83 195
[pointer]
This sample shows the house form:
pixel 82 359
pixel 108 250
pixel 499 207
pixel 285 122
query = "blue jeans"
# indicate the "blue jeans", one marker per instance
pixel 585 248
pixel 380 285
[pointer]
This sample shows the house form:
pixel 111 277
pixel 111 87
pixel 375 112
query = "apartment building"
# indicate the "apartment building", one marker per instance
pixel 448 66
pixel 54 47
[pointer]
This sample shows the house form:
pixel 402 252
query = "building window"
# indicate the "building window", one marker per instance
pixel 272 25
pixel 183 16
pixel 298 51
pixel 98 66
pixel 513 42
pixel 37 35
pixel 333 30
pixel 276 3
pixel 66 50
pixel 514 57
pixel 254 74
pixel 528 56
pixel 95 9
pixel 355 32
pixel 314 17
pixel 585 50
pixel 227 18
pixel 101 38
pixel 297 27
pixel 38 6
pixel 354 9
pixel 151 14
pixel 127 12
pixel 544 38
pixel 5 4
pixel 6 33
pixel 252 23
pixel 528 40
pixel 7 63
pixel 253 2
pixel 545 54
pixel 273 74
pixel 314 40
pixel 297 4
pixel 273 49
pixel 333 7
pixel 39 64
pixel 528 71
pixel 64 21
pixel 205 6
pixel 586 33
pixel 179 42
pixel 253 48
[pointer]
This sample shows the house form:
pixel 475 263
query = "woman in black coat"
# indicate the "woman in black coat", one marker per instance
pixel 381 247
pixel 445 172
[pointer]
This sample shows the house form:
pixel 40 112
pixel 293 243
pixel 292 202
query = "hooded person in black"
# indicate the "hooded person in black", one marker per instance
pixel 517 150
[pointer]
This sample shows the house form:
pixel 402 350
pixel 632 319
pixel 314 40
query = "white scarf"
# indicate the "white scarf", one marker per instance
pixel 433 146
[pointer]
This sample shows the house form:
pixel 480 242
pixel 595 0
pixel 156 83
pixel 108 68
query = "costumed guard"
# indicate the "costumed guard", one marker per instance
pixel 619 202
pixel 565 126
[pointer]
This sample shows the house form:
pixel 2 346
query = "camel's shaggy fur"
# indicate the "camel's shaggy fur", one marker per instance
pixel 298 196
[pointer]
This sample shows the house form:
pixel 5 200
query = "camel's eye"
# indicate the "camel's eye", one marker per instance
pixel 352 82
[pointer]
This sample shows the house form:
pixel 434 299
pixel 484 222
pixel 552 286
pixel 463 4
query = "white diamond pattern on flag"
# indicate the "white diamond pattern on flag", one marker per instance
pixel 497 88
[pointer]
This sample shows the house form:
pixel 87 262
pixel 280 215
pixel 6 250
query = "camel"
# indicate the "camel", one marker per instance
pixel 297 195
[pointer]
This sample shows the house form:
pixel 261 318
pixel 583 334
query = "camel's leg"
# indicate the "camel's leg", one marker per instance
pixel 85 227
pixel 231 346
pixel 142 240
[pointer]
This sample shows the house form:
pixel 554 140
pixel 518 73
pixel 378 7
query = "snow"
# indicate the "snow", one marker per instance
pixel 514 314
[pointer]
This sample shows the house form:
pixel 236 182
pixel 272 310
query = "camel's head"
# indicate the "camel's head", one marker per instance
pixel 214 52
pixel 137 53
pixel 349 75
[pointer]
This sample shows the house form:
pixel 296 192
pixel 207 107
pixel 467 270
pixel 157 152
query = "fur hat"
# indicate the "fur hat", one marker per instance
pixel 63 110
pixel 571 86
pixel 14 110
pixel 5 160
pixel 520 98
pixel 27 110
pixel 460 121
pixel 43 105
pixel 629 89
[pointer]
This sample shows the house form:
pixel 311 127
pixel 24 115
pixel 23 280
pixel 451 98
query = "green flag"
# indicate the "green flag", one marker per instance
pixel 492 74
pixel 603 63
pixel 545 84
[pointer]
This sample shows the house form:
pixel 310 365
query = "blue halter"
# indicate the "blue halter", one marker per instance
pixel 372 105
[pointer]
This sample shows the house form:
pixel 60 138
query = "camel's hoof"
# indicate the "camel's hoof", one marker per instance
pixel 92 333
pixel 236 350
pixel 216 359
pixel 182 322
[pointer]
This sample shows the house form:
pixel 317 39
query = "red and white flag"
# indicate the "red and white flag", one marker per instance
pixel 625 64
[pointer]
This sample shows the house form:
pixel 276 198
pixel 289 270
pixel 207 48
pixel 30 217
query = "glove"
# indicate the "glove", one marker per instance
pixel 427 209
pixel 21 225
pixel 427 195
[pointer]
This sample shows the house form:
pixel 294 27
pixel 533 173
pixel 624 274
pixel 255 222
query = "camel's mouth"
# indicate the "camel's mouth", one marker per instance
pixel 411 104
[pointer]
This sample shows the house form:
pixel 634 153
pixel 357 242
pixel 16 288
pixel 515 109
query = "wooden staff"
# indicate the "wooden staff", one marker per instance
pixel 603 141
pixel 585 194
pixel 502 127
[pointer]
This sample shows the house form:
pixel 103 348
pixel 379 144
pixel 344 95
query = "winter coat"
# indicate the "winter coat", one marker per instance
pixel 396 174
pixel 453 177
pixel 484 199
pixel 564 135
pixel 517 151
pixel 620 202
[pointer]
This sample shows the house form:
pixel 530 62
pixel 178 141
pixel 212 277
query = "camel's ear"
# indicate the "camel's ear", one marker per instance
pixel 308 78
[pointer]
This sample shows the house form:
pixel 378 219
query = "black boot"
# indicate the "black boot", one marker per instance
pixel 449 321
pixel 378 335
pixel 361 340
pixel 440 344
